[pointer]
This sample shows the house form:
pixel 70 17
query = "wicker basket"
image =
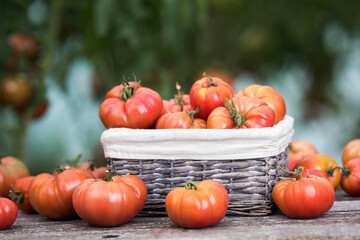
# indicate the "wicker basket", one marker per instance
pixel 244 161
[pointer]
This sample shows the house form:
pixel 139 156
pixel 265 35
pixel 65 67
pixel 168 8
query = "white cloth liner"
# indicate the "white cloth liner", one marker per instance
pixel 197 144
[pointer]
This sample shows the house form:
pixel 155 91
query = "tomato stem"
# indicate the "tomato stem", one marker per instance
pixel 179 96
pixel 128 91
pixel 296 172
pixel 108 177
pixel 346 171
pixel 192 113
pixel 211 80
pixel 16 196
pixel 189 185
pixel 330 171
pixel 60 169
pixel 239 119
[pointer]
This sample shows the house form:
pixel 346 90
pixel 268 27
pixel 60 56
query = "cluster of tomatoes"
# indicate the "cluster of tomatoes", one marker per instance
pixel 100 199
pixel 211 103
pixel 316 177
pixel 16 88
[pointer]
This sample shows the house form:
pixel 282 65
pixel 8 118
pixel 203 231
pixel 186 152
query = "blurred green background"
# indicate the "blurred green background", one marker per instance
pixel 75 51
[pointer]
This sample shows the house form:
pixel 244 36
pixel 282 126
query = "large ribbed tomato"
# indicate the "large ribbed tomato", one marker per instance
pixel 111 201
pixel 19 193
pixel 132 106
pixel 8 213
pixel 11 169
pixel 51 195
pixel 210 93
pixel 304 197
pixel 243 112
pixel 299 150
pixel 325 164
pixel 351 151
pixel 198 205
pixel 350 181
pixel 182 120
pixel 269 95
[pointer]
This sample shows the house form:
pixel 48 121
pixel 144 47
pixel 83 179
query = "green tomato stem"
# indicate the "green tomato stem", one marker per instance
pixel 239 119
pixel 192 113
pixel 212 83
pixel 330 171
pixel 16 196
pixel 108 177
pixel 189 185
pixel 296 173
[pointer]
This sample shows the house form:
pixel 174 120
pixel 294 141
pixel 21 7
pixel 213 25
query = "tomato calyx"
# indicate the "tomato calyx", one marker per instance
pixel 128 91
pixel 192 113
pixel 239 119
pixel 189 185
pixel 346 172
pixel 16 196
pixel 296 172
pixel 211 83
pixel 330 171
pixel 60 169
pixel 108 177
pixel 179 96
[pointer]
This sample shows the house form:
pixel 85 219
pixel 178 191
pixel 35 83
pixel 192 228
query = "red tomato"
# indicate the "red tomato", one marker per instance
pixel 304 198
pixel 11 169
pixel 243 112
pixel 51 196
pixel 8 213
pixel 268 95
pixel 350 181
pixel 170 107
pixel 110 202
pixel 179 120
pixel 19 194
pixel 132 106
pixel 198 205
pixel 325 164
pixel 351 151
pixel 299 150
pixel 16 91
pixel 210 93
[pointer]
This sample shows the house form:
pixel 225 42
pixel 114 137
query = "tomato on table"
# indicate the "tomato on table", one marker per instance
pixel 19 193
pixel 197 205
pixel 210 93
pixel 299 150
pixel 325 164
pixel 242 112
pixel 351 151
pixel 8 213
pixel 350 181
pixel 51 195
pixel 11 169
pixel 269 95
pixel 132 106
pixel 303 197
pixel 109 202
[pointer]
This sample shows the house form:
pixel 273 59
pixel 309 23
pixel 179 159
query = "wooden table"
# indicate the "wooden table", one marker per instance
pixel 341 222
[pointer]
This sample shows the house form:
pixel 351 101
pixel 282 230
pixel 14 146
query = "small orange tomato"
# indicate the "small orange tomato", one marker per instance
pixel 351 151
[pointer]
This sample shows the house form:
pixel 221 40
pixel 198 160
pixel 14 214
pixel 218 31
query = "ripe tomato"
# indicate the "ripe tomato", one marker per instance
pixel 269 95
pixel 24 43
pixel 325 164
pixel 350 181
pixel 243 112
pixel 11 169
pixel 210 93
pixel 179 120
pixel 310 172
pixel 110 202
pixel 198 205
pixel 16 91
pixel 171 107
pixel 51 196
pixel 299 150
pixel 304 198
pixel 351 151
pixel 8 213
pixel 19 194
pixel 132 106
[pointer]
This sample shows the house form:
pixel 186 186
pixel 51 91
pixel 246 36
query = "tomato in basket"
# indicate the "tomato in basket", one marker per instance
pixel 180 120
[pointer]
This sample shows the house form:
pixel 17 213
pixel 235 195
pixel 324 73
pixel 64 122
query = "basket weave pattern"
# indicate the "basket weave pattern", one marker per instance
pixel 249 182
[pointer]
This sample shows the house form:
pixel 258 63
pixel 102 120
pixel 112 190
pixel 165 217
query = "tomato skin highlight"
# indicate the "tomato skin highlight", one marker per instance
pixel 110 203
pixel 8 213
pixel 199 208
pixel 51 196
pixel 304 198
pixel 350 181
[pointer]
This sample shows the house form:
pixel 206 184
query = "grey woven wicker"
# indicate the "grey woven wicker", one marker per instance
pixel 249 182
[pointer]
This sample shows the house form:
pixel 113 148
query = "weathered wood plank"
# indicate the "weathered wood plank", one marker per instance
pixel 341 222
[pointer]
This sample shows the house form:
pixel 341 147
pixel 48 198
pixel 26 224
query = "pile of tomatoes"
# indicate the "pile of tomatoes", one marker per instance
pixel 211 103
pixel 316 177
